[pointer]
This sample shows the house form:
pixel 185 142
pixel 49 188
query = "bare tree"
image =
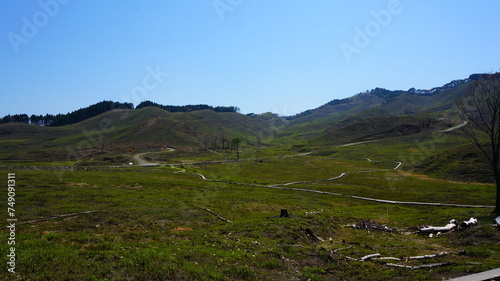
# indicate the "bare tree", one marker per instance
pixel 259 140
pixel 214 142
pixel 224 138
pixel 236 143
pixel 205 140
pixel 481 108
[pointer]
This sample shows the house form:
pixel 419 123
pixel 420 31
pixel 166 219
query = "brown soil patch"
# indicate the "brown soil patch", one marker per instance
pixel 427 178
pixel 77 184
pixel 183 229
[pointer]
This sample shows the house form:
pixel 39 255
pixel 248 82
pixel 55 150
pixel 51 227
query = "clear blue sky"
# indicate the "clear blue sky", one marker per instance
pixel 283 56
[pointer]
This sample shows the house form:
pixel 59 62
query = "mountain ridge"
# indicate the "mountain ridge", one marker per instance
pixel 103 106
pixel 372 115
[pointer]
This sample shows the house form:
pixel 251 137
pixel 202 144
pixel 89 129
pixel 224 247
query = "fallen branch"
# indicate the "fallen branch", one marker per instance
pixel 369 257
pixel 335 252
pixel 378 257
pixel 389 258
pixel 58 217
pixel 430 256
pixel 453 224
pixel 345 248
pixel 431 265
pixel 204 209
pixel 213 213
pixel 371 225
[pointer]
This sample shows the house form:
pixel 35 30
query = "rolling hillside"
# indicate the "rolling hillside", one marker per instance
pixel 122 130
pixel 372 115
pixel 318 124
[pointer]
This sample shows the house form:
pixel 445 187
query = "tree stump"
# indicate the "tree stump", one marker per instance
pixel 284 213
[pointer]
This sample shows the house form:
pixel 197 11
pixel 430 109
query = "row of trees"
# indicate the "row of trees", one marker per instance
pixel 189 107
pixel 225 140
pixel 69 118
pixel 101 107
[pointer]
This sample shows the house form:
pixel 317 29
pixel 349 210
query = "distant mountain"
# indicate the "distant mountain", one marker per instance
pixel 110 127
pixel 373 104
pixel 385 95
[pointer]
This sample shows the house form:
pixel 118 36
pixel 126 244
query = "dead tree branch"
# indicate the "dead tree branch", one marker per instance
pixel 58 217
pixel 431 265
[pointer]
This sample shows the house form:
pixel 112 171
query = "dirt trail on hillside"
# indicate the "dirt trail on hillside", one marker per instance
pixel 370 141
pixel 138 158
pixel 455 128
pixel 356 143
pixel 141 161
pixel 284 186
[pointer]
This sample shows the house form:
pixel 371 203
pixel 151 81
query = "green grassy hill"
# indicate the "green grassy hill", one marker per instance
pixel 121 131
pixel 367 129
pixel 462 163
pixel 378 103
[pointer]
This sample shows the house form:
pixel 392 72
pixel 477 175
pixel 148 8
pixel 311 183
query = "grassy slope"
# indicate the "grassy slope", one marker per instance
pixel 120 130
pixel 149 229
pixel 365 106
pixel 462 163
pixel 362 128
pixel 309 127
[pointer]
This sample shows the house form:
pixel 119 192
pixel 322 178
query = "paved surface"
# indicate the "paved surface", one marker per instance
pixel 487 275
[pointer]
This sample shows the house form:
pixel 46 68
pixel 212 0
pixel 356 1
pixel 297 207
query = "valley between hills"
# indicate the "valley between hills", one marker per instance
pixel 345 191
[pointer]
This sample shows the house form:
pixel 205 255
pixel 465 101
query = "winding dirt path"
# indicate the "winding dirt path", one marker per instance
pixel 356 143
pixel 284 186
pixel 455 128
pixel 143 162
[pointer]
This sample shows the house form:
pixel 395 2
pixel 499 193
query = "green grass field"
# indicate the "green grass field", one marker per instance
pixel 152 222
